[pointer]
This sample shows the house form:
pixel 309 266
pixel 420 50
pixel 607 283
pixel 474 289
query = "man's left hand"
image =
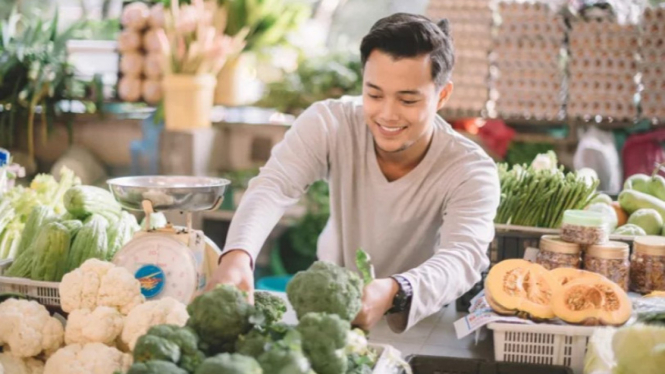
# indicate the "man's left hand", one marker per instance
pixel 376 301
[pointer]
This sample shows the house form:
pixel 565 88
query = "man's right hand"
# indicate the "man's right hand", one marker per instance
pixel 235 268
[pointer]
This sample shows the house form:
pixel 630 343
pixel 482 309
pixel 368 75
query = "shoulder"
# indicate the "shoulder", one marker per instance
pixel 464 158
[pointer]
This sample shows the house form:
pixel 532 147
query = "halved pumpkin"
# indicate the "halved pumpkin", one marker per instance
pixel 565 275
pixel 520 287
pixel 592 302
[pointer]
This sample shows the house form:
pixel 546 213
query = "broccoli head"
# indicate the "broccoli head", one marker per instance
pixel 324 340
pixel 219 317
pixel 326 288
pixel 229 363
pixel 259 339
pixel 271 306
pixel 170 343
pixel 285 356
pixel 155 367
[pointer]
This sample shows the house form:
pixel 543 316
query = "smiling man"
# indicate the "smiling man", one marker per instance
pixel 418 197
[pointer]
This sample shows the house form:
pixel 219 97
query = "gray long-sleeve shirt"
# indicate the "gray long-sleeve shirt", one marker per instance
pixel 433 226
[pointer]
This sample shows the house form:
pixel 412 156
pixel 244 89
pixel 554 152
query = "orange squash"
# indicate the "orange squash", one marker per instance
pixel 565 275
pixel 519 287
pixel 592 302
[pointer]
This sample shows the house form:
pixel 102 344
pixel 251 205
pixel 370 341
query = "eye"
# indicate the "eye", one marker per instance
pixel 373 96
pixel 409 102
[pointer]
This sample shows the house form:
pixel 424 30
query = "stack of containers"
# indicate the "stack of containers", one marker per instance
pixel 584 244
pixel 653 63
pixel 603 70
pixel 471 23
pixel 141 60
pixel 528 56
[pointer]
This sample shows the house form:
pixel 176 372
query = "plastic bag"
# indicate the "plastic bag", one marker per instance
pixel 596 150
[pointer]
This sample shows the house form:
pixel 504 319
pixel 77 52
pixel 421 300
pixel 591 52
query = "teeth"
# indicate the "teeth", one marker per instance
pixel 391 129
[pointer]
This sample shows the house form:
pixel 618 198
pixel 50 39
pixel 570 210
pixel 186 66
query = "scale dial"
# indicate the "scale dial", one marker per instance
pixel 163 265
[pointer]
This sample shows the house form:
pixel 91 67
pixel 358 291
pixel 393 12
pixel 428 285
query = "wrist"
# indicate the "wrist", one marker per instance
pixel 236 256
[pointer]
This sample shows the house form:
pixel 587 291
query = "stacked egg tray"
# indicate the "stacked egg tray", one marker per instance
pixel 653 64
pixel 140 68
pixel 471 23
pixel 529 82
pixel 602 70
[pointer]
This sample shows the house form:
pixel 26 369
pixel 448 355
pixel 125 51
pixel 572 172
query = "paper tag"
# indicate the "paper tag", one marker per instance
pixel 481 314
pixel 531 253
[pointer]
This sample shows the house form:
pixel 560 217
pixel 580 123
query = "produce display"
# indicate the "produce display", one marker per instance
pixel 640 207
pixel 528 290
pixel 538 195
pixel 18 203
pixel 112 329
pixel 86 223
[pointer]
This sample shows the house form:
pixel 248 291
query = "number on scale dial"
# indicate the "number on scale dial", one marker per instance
pixel 163 265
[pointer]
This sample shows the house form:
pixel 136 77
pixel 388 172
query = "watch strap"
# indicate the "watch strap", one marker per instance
pixel 402 300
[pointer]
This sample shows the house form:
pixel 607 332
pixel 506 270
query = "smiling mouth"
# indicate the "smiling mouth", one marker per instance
pixel 390 130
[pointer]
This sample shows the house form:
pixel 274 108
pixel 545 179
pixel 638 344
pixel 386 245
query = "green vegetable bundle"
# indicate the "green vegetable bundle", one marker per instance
pixel 538 198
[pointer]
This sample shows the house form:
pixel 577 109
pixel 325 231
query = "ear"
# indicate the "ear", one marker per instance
pixel 444 94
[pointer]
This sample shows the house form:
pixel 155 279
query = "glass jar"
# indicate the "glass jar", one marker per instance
pixel 584 227
pixel 610 260
pixel 557 253
pixel 647 265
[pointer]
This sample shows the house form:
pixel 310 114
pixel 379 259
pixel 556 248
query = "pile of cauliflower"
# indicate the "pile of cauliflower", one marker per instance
pixel 106 315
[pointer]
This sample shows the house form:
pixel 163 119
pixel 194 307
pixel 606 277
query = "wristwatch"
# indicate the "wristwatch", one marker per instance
pixel 402 300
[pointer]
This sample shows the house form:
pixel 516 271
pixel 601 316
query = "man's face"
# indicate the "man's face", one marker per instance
pixel 400 99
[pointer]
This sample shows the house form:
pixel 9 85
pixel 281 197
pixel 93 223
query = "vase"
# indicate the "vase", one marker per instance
pixel 188 101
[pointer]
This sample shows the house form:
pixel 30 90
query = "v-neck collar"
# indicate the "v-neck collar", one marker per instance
pixel 375 169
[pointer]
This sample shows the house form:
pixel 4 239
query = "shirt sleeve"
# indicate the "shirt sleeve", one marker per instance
pixel 299 160
pixel 465 236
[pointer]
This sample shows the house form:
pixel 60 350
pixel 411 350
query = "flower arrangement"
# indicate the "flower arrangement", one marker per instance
pixel 193 40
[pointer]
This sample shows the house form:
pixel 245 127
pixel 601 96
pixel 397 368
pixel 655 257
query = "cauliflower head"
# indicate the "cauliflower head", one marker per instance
pixel 14 365
pixel 165 311
pixel 102 325
pixel 119 289
pixel 92 358
pixel 326 288
pixel 27 329
pixel 324 340
pixel 219 317
pixel 100 283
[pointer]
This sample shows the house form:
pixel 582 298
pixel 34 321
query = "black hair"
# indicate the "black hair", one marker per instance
pixel 409 35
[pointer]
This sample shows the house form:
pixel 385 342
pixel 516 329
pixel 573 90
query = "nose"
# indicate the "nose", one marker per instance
pixel 389 111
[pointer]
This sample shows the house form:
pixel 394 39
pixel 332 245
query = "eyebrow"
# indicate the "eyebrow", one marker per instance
pixel 404 92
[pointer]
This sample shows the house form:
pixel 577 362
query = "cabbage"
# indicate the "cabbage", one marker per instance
pixel 639 349
pixel 599 357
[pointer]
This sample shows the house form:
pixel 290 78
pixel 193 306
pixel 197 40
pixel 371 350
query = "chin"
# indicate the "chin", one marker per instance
pixel 389 146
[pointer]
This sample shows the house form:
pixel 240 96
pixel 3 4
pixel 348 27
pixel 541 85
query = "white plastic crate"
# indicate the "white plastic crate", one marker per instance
pixel 541 344
pixel 45 293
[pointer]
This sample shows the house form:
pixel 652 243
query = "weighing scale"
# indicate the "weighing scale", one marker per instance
pixel 170 261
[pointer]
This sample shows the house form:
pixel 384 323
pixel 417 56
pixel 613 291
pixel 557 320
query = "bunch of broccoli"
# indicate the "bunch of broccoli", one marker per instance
pixel 227 335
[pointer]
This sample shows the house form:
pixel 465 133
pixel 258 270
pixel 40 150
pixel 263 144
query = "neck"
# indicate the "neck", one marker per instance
pixel 410 157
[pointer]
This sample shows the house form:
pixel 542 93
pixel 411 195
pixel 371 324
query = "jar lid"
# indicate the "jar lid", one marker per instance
pixel 650 245
pixel 584 218
pixel 553 243
pixel 609 250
